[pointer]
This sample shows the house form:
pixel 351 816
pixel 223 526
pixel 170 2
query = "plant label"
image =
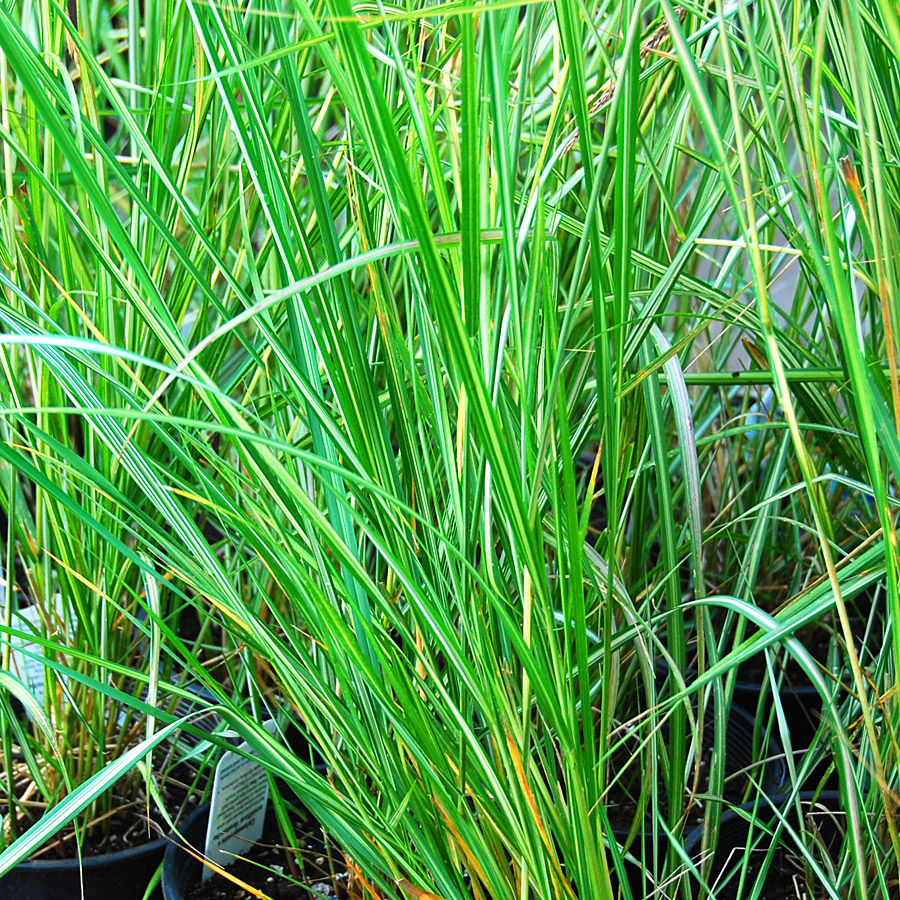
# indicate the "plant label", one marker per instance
pixel 28 669
pixel 240 795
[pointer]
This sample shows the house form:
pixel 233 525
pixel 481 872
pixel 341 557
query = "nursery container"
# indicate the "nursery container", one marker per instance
pixel 738 758
pixel 121 875
pixel 801 702
pixel 724 873
pixel 181 870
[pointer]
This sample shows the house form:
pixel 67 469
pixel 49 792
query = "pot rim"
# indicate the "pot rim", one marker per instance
pixel 97 861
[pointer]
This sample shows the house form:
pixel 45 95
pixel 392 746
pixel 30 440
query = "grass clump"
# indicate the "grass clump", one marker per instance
pixel 497 378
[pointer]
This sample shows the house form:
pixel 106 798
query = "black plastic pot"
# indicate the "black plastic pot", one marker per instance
pixel 739 758
pixel 739 752
pixel 122 875
pixel 724 872
pixel 801 702
pixel 181 871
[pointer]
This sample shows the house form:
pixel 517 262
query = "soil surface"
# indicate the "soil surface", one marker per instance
pixel 319 870
pixel 131 822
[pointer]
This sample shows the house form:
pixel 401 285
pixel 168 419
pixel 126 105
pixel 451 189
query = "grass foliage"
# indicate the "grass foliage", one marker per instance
pixel 498 377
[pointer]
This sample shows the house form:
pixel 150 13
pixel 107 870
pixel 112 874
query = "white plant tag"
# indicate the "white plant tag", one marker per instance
pixel 240 795
pixel 29 670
